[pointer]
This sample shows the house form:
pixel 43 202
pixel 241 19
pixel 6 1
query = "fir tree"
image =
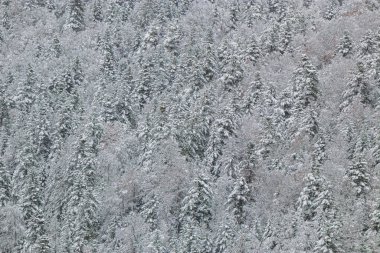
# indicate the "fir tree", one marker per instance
pixel 143 90
pixel 75 20
pixel 56 47
pixel 222 129
pixel 367 45
pixel 359 177
pixel 223 239
pixel 26 94
pixel 109 63
pixel 238 199
pixel 232 73
pixel 252 52
pixel 149 211
pixel 327 239
pixel 375 217
pixel 305 89
pixel 97 11
pixel 359 87
pixel 315 195
pixel 345 46
pixel 196 206
pixel 5 185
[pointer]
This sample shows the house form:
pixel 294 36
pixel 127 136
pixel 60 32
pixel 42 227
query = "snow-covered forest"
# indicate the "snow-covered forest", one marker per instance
pixel 189 126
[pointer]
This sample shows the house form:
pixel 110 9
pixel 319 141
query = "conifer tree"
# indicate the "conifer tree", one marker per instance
pixel 252 52
pixel 223 239
pixel 81 204
pixel 26 94
pixel 56 47
pixel 314 195
pixel 143 90
pixel 359 177
pixel 196 206
pixel 345 46
pixel 375 217
pixel 35 239
pixel 285 37
pixel 367 45
pixel 109 63
pixel 75 20
pixel 305 89
pixel 238 199
pixel 327 238
pixel 232 73
pixel 222 129
pixel 97 11
pixel 5 184
pixel 359 87
pixel 254 95
pixel 149 211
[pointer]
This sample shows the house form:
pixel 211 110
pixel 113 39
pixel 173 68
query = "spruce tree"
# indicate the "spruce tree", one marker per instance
pixel 75 20
pixel 238 199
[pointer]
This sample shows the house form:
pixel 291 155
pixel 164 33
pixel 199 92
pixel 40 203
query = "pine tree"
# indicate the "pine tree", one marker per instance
pixel 238 199
pixel 75 20
pixel 305 89
pixel 196 206
pixel 359 87
pixel 345 46
pixel 359 177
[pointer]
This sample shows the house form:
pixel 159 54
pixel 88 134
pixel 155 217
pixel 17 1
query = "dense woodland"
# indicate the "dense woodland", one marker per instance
pixel 189 126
